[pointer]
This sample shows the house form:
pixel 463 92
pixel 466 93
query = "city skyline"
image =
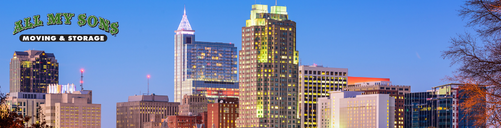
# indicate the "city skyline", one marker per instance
pixel 106 63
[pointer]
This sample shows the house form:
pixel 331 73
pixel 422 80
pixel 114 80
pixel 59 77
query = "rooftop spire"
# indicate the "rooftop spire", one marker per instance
pixel 185 24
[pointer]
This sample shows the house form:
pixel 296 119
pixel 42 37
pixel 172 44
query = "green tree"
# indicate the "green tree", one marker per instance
pixel 8 118
pixel 40 123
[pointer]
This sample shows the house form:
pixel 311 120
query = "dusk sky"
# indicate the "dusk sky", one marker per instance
pixel 400 40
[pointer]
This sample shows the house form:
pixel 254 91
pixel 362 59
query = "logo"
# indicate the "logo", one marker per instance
pixel 60 18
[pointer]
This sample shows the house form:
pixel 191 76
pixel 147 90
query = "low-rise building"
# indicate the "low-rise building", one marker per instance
pixel 155 122
pixel 71 110
pixel 192 105
pixel 223 114
pixel 26 104
pixel 354 110
pixel 137 111
pixel 199 121
pixel 385 87
pixel 439 107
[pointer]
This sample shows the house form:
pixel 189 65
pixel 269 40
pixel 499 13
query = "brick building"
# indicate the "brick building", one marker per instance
pixel 223 114
pixel 199 121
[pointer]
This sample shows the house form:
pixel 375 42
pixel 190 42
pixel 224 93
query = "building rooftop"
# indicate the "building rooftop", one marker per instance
pixel 152 97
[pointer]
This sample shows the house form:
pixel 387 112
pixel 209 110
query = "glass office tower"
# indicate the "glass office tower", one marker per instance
pixel 33 71
pixel 208 68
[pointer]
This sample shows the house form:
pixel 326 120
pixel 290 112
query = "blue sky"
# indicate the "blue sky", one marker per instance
pixel 400 40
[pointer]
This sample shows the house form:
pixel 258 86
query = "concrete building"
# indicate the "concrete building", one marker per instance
pixel 268 70
pixel 354 110
pixel 139 108
pixel 315 82
pixel 32 71
pixel 156 122
pixel 26 104
pixel 207 68
pixel 192 105
pixel 223 114
pixel 199 121
pixel 386 87
pixel 71 110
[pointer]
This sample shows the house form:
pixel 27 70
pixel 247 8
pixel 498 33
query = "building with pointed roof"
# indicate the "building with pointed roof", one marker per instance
pixel 33 71
pixel 203 68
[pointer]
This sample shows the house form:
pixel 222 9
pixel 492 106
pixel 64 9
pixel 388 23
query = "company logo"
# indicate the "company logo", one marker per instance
pixel 60 18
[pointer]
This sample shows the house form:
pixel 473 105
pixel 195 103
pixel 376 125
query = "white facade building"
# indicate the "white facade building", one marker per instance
pixel 315 82
pixel 354 110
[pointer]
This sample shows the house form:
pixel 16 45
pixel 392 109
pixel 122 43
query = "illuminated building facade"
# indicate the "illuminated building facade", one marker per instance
pixel 315 82
pixel 139 109
pixel 385 87
pixel 71 110
pixel 193 105
pixel 347 109
pixel 55 88
pixel 26 104
pixel 418 110
pixel 439 107
pixel 222 114
pixel 268 70
pixel 352 80
pixel 32 71
pixel 208 68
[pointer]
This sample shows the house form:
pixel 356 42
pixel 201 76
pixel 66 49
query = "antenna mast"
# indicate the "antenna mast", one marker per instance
pixel 81 79
pixel 148 85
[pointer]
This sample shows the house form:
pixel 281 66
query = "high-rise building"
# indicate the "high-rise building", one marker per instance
pixel 70 110
pixel 139 108
pixel 385 87
pixel 353 110
pixel 439 107
pixel 268 70
pixel 222 114
pixel 315 81
pixel 193 105
pixel 208 68
pixel 26 104
pixel 32 71
pixel 418 110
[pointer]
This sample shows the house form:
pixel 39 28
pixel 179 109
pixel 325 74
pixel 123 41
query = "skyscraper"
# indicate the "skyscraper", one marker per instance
pixel 33 71
pixel 316 81
pixel 268 70
pixel 208 68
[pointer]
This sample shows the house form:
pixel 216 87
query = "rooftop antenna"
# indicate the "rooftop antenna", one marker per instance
pixel 81 79
pixel 148 85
